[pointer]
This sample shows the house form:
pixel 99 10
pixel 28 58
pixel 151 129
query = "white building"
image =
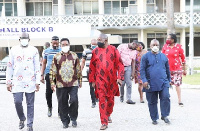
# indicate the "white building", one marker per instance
pixel 82 20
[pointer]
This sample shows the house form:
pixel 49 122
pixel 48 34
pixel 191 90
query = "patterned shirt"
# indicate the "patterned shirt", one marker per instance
pixel 48 55
pixel 175 55
pixel 127 54
pixel 66 70
pixel 23 69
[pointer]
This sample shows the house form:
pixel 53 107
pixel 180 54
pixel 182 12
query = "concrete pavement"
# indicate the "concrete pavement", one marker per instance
pixel 125 117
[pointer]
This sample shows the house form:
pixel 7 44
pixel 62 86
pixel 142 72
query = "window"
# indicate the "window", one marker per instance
pixel 124 7
pixel 128 38
pixel 69 7
pixel 133 6
pixel 157 6
pixel 86 7
pixel 38 8
pixel 196 6
pixel 10 7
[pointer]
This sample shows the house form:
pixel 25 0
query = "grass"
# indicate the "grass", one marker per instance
pixel 192 79
pixel 196 68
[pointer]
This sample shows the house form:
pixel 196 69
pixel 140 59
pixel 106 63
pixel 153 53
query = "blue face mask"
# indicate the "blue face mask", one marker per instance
pixel 93 46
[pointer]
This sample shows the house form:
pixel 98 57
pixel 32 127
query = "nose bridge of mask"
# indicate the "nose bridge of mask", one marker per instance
pixel 24 42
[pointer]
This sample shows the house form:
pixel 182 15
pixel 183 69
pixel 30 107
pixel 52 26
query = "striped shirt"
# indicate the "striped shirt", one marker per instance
pixel 48 55
pixel 87 54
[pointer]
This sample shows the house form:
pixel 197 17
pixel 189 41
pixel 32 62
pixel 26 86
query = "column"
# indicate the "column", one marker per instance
pixel 61 7
pixel 101 12
pixel 182 5
pixel 21 8
pixel 182 40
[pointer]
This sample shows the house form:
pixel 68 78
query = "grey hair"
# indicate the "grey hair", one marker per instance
pixel 153 41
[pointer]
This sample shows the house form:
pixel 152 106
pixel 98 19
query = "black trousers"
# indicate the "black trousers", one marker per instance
pixel 68 103
pixel 49 91
pixel 92 93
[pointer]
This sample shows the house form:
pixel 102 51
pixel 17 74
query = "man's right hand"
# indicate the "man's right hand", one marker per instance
pixel 145 85
pixel 42 79
pixel 53 87
pixel 93 84
pixel 9 87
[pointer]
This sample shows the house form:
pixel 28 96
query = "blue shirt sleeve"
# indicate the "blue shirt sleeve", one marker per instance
pixel 143 65
pixel 167 70
pixel 45 54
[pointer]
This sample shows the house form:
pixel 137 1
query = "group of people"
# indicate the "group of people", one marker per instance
pixel 108 70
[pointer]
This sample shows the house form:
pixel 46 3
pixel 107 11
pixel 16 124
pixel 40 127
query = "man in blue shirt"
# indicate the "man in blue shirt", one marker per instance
pixel 46 65
pixel 155 74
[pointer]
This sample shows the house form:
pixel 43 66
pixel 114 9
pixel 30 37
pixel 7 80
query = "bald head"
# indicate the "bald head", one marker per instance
pixel 93 42
pixel 24 35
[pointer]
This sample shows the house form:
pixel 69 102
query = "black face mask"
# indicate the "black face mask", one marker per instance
pixel 100 44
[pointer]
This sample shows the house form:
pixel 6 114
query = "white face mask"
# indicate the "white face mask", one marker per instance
pixel 65 49
pixel 155 49
pixel 24 42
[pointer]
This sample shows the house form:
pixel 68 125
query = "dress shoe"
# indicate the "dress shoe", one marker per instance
pixel 49 112
pixel 93 105
pixel 65 125
pixel 74 123
pixel 180 104
pixel 103 127
pixel 109 120
pixel 130 102
pixel 154 122
pixel 21 124
pixel 97 100
pixel 141 101
pixel 165 119
pixel 121 99
pixel 30 128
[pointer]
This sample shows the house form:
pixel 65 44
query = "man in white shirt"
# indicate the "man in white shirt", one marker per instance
pixel 23 76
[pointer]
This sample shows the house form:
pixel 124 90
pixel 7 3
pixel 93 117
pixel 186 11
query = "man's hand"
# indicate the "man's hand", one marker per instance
pixel 37 87
pixel 42 79
pixel 119 82
pixel 145 85
pixel 132 76
pixel 93 84
pixel 184 72
pixel 80 85
pixel 53 87
pixel 9 87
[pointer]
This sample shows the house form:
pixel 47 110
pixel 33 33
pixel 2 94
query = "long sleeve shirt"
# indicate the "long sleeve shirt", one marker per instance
pixel 105 68
pixel 65 70
pixel 175 55
pixel 154 69
pixel 23 69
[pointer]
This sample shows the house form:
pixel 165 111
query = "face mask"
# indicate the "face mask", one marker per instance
pixel 93 46
pixel 24 42
pixel 100 44
pixel 55 47
pixel 65 49
pixel 168 42
pixel 155 49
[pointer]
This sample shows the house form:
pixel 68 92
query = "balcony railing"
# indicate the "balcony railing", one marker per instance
pixel 135 20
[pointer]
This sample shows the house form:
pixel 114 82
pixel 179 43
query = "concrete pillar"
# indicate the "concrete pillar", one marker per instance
pixel 101 7
pixel 61 7
pixel 141 6
pixel 183 41
pixel 182 5
pixel 21 8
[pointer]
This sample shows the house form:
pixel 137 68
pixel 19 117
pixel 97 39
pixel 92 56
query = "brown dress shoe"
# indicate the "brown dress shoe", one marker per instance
pixel 103 127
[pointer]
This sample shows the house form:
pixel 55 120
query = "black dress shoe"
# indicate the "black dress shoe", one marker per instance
pixel 121 99
pixel 65 125
pixel 154 122
pixel 74 123
pixel 49 112
pixel 21 124
pixel 165 119
pixel 130 102
pixel 93 105
pixel 30 128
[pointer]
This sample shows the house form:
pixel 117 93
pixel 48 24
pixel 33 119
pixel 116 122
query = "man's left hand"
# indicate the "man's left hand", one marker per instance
pixel 37 87
pixel 132 76
pixel 119 82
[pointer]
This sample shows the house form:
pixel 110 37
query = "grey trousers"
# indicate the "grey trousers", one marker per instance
pixel 18 98
pixel 128 82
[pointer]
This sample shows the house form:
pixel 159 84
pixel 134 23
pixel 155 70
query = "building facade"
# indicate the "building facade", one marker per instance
pixel 141 20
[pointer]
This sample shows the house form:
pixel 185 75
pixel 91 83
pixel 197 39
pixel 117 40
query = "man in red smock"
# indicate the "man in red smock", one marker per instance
pixel 106 72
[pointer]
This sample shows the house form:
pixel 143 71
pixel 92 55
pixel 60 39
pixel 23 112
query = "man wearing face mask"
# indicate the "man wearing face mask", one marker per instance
pixel 23 76
pixel 155 75
pixel 66 70
pixel 105 73
pixel 86 57
pixel 46 64
pixel 128 54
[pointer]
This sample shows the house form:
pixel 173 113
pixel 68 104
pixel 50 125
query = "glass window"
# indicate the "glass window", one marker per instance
pixel 86 7
pixel 107 7
pixel 133 1
pixel 1 4
pixel 116 9
pixel 55 10
pixel 124 7
pixel 47 9
pixel 78 8
pixel 150 1
pixel 8 9
pixel 15 9
pixel 69 9
pixel 150 8
pixel 95 7
pixel 8 0
pixel 29 9
pixel 55 1
pixel 38 9
pixel 68 1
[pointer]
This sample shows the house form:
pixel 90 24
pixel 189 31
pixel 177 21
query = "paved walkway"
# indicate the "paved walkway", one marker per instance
pixel 125 117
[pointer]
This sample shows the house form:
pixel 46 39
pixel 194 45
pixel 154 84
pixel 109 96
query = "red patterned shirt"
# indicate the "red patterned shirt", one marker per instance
pixel 175 55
